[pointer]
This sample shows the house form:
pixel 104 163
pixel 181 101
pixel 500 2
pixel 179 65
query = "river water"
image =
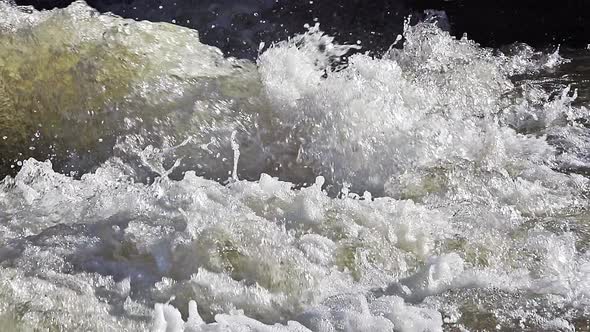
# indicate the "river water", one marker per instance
pixel 153 183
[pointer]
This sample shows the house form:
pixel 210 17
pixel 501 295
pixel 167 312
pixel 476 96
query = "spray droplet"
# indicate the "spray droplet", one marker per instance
pixel 236 147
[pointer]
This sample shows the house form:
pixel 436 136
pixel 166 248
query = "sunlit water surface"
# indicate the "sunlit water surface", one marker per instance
pixel 441 186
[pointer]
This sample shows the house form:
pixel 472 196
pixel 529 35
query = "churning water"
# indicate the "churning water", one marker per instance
pixel 440 186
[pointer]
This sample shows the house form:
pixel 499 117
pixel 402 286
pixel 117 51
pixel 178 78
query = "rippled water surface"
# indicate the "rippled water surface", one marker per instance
pixel 153 183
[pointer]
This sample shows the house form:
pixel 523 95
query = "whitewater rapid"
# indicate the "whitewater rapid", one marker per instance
pixel 157 184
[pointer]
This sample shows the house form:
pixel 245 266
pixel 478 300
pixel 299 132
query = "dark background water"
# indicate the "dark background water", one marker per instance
pixel 238 26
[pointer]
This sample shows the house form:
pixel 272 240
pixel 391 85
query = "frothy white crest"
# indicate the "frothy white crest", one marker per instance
pixel 409 123
pixel 471 224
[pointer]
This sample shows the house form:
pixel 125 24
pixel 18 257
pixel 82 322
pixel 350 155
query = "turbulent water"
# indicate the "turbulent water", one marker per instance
pixel 440 186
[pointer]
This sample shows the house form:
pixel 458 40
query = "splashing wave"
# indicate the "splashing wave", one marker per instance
pixel 423 190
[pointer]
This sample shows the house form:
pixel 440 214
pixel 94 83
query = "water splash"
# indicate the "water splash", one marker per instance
pixel 468 217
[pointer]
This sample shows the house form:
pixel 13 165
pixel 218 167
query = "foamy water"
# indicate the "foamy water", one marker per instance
pixel 423 190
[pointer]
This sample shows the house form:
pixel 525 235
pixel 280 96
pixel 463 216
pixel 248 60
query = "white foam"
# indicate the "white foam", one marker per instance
pixel 465 206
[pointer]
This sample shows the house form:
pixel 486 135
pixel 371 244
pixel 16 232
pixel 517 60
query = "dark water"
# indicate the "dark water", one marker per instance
pixel 575 73
pixel 238 26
